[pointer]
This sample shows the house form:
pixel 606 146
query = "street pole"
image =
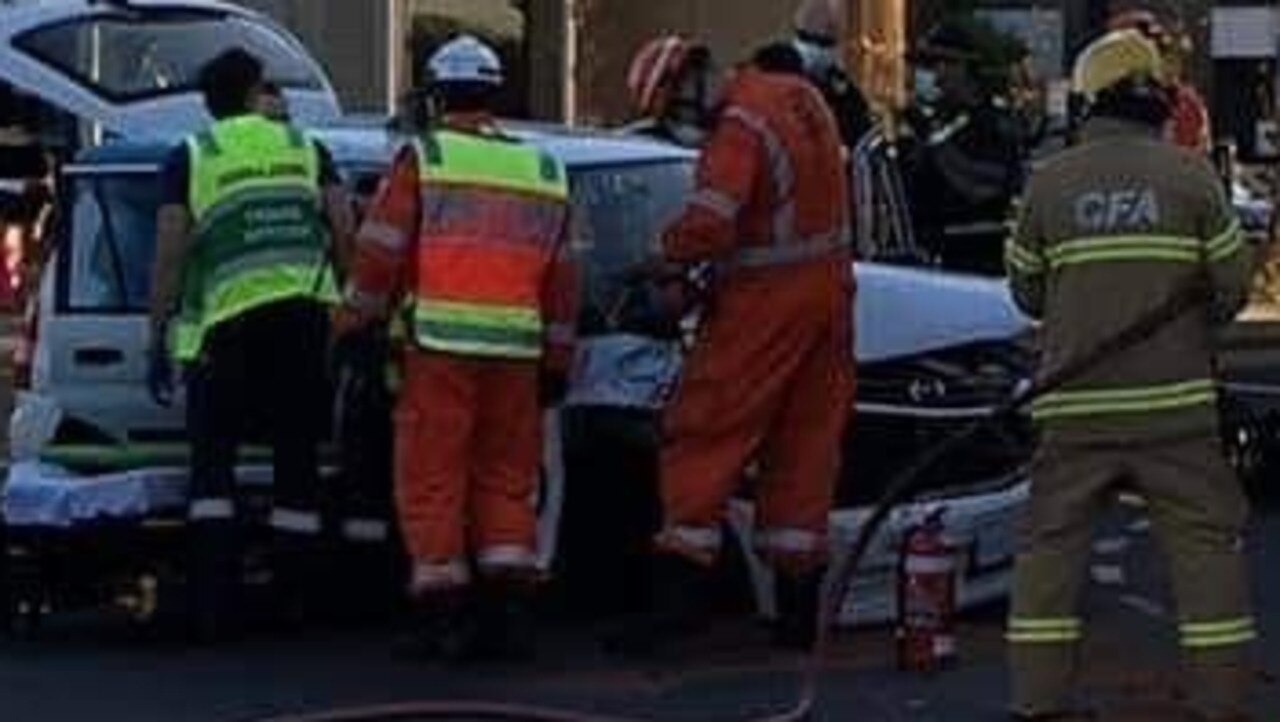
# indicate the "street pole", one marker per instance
pixel 875 48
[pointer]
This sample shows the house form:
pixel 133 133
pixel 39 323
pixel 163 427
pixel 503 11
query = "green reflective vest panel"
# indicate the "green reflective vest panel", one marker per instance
pixel 259 233
pixel 493 217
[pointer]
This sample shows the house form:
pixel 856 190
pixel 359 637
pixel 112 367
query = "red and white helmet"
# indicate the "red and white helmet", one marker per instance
pixel 1145 22
pixel 654 72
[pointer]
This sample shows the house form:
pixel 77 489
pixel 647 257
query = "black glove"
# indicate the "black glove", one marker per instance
pixel 552 388
pixel 160 376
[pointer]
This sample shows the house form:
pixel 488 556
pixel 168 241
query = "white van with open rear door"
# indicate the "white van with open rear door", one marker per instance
pixel 128 68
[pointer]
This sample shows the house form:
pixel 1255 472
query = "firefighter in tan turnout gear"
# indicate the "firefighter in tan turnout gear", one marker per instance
pixel 1109 232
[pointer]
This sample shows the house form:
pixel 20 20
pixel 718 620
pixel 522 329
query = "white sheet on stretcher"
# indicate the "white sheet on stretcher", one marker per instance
pixel 48 496
pixel 45 495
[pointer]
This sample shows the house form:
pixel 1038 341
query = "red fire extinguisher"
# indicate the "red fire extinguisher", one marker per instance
pixel 927 597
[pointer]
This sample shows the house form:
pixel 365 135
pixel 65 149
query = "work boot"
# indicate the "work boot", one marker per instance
pixel 373 579
pixel 678 608
pixel 296 574
pixel 797 597
pixel 507 628
pixel 445 628
pixel 214 582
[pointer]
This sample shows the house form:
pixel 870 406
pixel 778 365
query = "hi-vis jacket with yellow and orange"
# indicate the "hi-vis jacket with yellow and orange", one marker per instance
pixel 1108 232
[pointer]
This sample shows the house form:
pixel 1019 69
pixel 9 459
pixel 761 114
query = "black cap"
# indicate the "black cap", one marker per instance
pixel 946 41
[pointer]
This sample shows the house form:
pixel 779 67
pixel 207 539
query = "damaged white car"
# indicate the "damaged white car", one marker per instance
pixel 935 350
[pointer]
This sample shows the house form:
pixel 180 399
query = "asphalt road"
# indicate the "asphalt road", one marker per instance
pixel 86 669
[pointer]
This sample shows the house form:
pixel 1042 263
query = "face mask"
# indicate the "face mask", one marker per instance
pixel 925 86
pixel 817 59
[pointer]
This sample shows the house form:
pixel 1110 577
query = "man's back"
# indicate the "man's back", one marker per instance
pixel 802 160
pixel 1110 232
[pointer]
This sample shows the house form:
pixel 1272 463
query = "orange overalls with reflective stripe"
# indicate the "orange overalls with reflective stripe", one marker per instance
pixel 492 292
pixel 771 376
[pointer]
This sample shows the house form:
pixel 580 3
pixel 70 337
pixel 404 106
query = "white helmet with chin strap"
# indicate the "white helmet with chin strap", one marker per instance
pixel 465 59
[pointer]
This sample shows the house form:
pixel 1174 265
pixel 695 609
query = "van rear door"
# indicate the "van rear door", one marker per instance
pixel 94 338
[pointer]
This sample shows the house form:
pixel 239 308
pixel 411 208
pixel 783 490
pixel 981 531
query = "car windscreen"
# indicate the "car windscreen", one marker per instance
pixel 619 212
pixel 130 57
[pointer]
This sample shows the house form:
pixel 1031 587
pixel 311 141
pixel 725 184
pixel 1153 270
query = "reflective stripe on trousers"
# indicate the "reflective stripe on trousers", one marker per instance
pixel 211 509
pixel 365 530
pixel 1215 635
pixel 1024 630
pixel 789 541
pixel 295 521
pixel 430 577
pixel 505 557
pixel 701 544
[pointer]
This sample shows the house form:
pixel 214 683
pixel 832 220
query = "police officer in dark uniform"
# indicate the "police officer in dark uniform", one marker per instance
pixel 964 156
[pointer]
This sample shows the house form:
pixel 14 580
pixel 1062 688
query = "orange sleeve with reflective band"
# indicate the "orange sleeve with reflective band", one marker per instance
pixel 386 237
pixel 728 171
pixel 560 306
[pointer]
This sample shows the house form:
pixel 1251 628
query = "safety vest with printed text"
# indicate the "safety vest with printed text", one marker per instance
pixel 259 231
pixel 1111 232
pixel 492 221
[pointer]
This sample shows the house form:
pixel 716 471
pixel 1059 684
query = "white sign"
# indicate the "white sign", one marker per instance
pixel 1245 32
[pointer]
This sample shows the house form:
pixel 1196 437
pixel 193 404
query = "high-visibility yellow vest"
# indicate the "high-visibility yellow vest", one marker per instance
pixel 260 235
pixel 492 223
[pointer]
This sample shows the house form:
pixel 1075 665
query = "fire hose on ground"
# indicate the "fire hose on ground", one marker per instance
pixel 903 487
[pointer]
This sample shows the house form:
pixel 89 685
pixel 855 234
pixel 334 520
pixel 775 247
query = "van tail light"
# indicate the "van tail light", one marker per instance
pixel 25 346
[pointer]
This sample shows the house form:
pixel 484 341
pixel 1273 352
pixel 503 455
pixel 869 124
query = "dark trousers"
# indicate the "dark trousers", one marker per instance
pixel 261 375
pixel 611 510
pixel 363 411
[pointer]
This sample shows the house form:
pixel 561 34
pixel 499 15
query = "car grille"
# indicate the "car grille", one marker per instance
pixel 907 406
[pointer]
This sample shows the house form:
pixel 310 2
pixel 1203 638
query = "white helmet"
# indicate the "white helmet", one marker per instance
pixel 465 59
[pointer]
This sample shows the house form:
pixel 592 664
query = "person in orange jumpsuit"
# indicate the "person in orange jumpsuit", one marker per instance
pixel 1189 118
pixel 771 376
pixel 468 232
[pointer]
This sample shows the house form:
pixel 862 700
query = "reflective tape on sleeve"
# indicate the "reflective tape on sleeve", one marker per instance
pixel 719 203
pixel 1022 260
pixel 383 235
pixel 782 172
pixel 1227 244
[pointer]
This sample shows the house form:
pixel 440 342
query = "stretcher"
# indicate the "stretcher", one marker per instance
pixel 103 527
